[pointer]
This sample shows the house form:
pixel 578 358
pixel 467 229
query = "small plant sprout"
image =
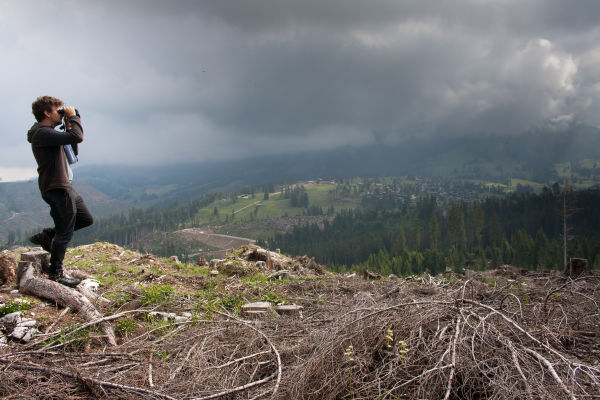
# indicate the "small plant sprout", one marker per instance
pixel 350 354
pixel 389 336
pixel 403 351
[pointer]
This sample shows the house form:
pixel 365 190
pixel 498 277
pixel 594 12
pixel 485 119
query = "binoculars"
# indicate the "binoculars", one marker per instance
pixel 61 111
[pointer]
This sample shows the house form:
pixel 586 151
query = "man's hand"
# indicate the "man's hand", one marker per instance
pixel 69 111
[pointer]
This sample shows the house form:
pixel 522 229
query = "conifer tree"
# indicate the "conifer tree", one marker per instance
pixel 434 232
pixel 416 235
pixel 456 228
pixel 400 243
pixel 494 230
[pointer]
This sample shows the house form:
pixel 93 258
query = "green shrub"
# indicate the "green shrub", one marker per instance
pixel 157 294
pixel 126 326
pixel 117 299
pixel 272 297
pixel 14 305
pixel 76 339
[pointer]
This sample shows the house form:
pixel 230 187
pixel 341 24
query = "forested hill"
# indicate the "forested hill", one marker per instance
pixel 524 230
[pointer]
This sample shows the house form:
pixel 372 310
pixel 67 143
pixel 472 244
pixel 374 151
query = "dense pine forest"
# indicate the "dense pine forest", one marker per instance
pixel 522 229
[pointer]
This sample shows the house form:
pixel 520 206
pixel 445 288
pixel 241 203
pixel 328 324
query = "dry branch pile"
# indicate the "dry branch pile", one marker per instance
pixel 463 341
pixel 422 338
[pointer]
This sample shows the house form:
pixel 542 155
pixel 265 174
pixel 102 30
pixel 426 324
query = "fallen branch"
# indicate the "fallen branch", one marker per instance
pixel 548 365
pixel 180 366
pixel 85 380
pixel 518 367
pixel 66 310
pixel 237 389
pixel 241 359
pixel 270 344
pixel 453 368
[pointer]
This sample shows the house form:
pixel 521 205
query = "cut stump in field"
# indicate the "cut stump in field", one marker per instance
pixel 7 270
pixel 64 296
pixel 577 267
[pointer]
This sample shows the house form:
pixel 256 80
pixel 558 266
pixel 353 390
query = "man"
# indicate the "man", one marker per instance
pixel 67 208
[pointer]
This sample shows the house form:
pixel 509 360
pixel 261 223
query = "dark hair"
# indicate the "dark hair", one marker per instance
pixel 44 103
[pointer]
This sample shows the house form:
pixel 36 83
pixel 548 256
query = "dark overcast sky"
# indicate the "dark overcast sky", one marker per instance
pixel 171 81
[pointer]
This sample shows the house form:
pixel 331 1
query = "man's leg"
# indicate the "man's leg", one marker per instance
pixel 63 212
pixel 44 238
pixel 83 217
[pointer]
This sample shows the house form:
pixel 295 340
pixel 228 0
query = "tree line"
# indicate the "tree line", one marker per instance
pixel 522 229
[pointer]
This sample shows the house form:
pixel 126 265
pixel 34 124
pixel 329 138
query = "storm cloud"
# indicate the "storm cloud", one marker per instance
pixel 165 82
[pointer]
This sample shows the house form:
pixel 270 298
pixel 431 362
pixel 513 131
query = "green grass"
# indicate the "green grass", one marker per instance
pixel 568 171
pixel 246 210
pixel 189 269
pixel 256 279
pixel 161 190
pixel 589 163
pixel 523 182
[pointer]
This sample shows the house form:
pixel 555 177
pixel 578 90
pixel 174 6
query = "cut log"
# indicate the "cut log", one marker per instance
pixel 62 295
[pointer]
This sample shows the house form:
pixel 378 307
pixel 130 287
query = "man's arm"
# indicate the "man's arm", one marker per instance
pixel 48 136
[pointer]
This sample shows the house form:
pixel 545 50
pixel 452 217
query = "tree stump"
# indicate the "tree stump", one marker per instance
pixel 370 275
pixel 577 267
pixel 40 260
pixel 289 309
pixel 64 296
pixel 7 270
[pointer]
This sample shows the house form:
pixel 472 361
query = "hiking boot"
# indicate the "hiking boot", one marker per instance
pixel 61 278
pixel 44 239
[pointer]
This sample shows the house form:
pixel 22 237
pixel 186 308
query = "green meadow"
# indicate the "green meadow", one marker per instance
pixel 247 208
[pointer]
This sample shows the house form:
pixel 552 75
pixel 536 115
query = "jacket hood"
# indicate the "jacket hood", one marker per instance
pixel 32 131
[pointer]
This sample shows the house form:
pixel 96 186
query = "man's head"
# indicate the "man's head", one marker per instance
pixel 45 107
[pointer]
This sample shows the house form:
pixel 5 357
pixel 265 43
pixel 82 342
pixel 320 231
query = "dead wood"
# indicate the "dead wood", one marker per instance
pixel 61 295
pixel 424 337
pixel 82 379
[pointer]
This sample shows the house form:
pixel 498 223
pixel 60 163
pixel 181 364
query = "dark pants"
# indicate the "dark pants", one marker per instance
pixel 69 213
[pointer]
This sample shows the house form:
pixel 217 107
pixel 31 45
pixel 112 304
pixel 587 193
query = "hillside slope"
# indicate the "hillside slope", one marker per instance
pixel 182 333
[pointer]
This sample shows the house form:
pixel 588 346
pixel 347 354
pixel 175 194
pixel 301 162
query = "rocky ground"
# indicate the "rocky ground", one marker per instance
pixel 259 324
